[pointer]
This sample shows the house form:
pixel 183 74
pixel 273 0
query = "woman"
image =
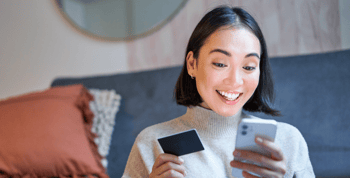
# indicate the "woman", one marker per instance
pixel 226 70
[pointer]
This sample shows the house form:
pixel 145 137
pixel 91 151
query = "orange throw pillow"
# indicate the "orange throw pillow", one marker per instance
pixel 48 134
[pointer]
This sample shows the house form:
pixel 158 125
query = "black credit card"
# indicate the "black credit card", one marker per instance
pixel 181 143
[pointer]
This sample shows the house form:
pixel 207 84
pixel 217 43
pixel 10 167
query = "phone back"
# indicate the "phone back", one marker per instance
pixel 248 129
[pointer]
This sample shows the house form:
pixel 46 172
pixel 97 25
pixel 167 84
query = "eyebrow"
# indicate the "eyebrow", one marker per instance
pixel 229 54
pixel 220 51
pixel 252 54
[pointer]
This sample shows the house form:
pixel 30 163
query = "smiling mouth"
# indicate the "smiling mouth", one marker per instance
pixel 229 96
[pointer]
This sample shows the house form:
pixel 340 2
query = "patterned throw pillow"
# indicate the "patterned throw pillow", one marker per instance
pixel 105 107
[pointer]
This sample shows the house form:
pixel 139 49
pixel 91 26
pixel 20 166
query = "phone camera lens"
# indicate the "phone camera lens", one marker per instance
pixel 245 126
pixel 244 133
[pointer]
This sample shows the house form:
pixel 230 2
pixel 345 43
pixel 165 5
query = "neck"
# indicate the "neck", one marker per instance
pixel 211 124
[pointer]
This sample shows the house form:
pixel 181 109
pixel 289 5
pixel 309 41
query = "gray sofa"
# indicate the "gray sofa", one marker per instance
pixel 312 92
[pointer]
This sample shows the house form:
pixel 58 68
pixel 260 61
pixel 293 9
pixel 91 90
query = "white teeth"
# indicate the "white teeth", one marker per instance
pixel 229 96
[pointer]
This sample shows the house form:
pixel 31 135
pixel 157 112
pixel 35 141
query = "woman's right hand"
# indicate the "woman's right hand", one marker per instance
pixel 168 165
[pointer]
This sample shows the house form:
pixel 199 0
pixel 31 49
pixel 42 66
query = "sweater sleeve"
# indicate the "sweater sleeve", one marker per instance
pixel 305 169
pixel 307 172
pixel 298 153
pixel 135 167
pixel 295 149
pixel 142 156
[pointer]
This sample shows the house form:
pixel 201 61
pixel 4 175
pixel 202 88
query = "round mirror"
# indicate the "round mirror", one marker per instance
pixel 116 20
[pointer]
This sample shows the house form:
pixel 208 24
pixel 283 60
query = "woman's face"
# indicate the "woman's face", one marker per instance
pixel 227 69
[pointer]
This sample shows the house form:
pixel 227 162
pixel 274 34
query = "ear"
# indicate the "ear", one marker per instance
pixel 191 64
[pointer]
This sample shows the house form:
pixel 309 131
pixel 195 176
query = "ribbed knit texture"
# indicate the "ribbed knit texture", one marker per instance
pixel 218 135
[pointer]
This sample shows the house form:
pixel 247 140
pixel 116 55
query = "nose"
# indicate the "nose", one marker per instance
pixel 234 78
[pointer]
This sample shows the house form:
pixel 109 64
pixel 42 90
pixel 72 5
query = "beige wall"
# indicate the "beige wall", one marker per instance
pixel 344 6
pixel 290 27
pixel 37 45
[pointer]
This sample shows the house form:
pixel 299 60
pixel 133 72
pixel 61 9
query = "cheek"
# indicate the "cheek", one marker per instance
pixel 206 78
pixel 207 82
pixel 204 84
pixel 255 80
pixel 252 81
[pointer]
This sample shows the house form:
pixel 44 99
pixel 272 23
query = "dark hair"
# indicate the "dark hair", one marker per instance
pixel 186 91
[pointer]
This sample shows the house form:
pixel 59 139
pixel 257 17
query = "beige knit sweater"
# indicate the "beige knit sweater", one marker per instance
pixel 218 136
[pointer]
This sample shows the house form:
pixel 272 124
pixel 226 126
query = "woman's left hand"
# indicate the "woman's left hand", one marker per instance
pixel 274 166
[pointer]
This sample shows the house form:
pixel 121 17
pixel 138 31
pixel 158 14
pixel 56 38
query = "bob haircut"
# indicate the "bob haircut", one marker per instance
pixel 223 16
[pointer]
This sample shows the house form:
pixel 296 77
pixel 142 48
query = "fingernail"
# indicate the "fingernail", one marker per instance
pixel 185 173
pixel 236 153
pixel 260 140
pixel 181 160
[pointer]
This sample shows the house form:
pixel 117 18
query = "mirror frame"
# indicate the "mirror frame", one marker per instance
pixel 119 39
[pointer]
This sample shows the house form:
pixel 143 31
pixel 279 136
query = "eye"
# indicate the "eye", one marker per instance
pixel 219 64
pixel 249 68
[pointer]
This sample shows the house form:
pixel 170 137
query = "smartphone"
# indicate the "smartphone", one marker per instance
pixel 248 130
pixel 181 143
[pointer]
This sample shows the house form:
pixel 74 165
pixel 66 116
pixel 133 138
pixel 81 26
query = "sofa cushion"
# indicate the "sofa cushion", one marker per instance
pixel 48 134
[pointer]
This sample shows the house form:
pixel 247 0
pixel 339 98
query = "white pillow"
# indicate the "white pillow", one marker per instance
pixel 104 106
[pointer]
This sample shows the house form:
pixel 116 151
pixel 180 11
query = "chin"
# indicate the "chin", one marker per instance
pixel 226 112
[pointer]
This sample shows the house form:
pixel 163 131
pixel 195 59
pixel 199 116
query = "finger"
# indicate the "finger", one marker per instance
pixel 172 174
pixel 164 157
pixel 248 175
pixel 169 166
pixel 271 147
pixel 254 168
pixel 261 160
pixel 254 158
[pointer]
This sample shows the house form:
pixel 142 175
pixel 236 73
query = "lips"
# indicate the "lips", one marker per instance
pixel 228 95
